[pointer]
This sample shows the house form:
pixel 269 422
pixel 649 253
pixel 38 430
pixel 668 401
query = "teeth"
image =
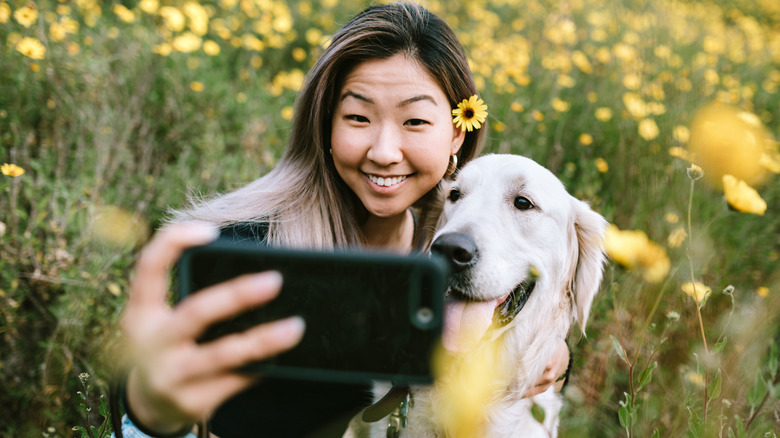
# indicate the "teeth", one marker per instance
pixel 386 182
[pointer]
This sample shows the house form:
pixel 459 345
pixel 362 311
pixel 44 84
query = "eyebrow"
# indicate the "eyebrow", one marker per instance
pixel 404 102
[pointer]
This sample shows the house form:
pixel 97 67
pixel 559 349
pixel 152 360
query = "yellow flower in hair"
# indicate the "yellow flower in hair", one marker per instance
pixel 470 114
pixel 742 197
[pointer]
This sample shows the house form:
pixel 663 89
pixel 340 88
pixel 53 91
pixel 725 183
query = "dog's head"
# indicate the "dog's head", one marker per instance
pixel 516 241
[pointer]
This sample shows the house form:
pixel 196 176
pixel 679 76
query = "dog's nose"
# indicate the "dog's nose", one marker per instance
pixel 458 249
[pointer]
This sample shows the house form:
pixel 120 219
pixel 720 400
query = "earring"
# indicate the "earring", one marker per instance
pixel 331 151
pixel 452 165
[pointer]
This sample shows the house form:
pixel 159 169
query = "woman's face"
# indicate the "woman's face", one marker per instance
pixel 392 134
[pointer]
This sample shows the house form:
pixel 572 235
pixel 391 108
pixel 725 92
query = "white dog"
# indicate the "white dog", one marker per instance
pixel 527 260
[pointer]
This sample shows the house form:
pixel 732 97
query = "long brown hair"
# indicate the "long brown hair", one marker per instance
pixel 303 199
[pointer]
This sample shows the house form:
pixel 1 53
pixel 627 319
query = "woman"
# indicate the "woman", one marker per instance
pixel 371 140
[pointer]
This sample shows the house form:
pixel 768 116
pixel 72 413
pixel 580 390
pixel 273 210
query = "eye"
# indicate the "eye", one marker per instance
pixel 522 203
pixel 416 122
pixel 357 118
pixel 454 195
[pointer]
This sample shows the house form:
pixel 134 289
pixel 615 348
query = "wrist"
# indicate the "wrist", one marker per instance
pixel 147 419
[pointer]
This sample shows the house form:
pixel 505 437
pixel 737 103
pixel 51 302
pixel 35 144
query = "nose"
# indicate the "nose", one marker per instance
pixel 458 249
pixel 385 148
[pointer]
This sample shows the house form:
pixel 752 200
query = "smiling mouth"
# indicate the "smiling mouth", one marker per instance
pixel 386 181
pixel 507 307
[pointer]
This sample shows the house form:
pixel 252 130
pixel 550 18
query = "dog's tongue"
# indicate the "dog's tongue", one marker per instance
pixel 465 323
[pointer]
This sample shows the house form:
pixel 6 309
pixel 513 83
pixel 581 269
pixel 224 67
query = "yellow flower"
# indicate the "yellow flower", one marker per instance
pixel 727 140
pixel 602 165
pixel 149 6
pixel 287 112
pixel 11 170
pixel 742 197
pixel 124 14
pixel 677 237
pixel 671 218
pixel 211 48
pixel 633 250
pixel 114 226
pixel 470 114
pixel 173 18
pixel 186 42
pixel 5 12
pixel 604 114
pixel 199 18
pixel 26 15
pixel 648 129
pixel 196 86
pixel 698 291
pixel 31 48
pixel 560 105
pixel 586 139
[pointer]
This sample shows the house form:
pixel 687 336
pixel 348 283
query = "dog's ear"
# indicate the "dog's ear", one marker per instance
pixel 587 236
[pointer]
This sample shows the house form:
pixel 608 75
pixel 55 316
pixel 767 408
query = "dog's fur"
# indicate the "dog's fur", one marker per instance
pixel 557 242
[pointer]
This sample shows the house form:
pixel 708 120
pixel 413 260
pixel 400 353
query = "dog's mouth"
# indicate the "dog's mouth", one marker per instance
pixel 466 320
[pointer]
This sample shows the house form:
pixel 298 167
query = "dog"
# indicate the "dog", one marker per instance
pixel 526 261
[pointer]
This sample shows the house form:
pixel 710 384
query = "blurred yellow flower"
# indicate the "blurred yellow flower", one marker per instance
pixel 602 165
pixel 470 114
pixel 586 139
pixel 681 134
pixel 57 32
pixel 123 13
pixel 698 291
pixel 163 49
pixel 679 152
pixel 727 140
pixel 560 105
pixel 198 17
pixel 211 48
pixel 31 48
pixel 603 114
pixel 114 226
pixel 466 384
pixel 742 197
pixel 196 86
pixel 186 42
pixel 149 6
pixel 537 115
pixel 770 163
pixel 11 170
pixel 517 107
pixel 635 105
pixel 671 218
pixel 26 15
pixel 762 291
pixel 581 61
pixel 633 250
pixel 648 129
pixel 677 237
pixel 5 12
pixel 299 54
pixel 172 17
pixel 287 113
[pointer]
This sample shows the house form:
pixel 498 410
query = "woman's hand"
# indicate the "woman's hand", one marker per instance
pixel 555 368
pixel 174 380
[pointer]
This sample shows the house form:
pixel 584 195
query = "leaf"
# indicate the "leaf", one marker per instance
pixel 731 434
pixel 714 389
pixel 624 416
pixel 720 345
pixel 103 407
pixel 655 434
pixel 756 392
pixel 740 427
pixel 646 375
pixel 695 425
pixel 537 412
pixel 82 430
pixel 619 348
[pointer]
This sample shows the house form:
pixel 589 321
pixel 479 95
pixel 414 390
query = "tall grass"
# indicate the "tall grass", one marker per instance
pixel 118 120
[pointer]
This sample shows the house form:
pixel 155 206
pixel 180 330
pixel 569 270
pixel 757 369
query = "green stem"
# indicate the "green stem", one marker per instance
pixel 698 305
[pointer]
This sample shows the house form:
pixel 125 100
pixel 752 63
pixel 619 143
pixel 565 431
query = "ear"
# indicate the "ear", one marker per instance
pixel 458 136
pixel 587 235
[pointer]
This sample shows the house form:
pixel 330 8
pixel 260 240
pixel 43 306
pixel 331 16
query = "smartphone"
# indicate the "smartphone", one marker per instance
pixel 369 316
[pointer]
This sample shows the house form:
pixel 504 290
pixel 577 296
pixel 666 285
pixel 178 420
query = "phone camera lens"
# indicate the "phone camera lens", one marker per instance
pixel 424 315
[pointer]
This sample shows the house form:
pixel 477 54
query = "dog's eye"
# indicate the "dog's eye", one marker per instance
pixel 454 195
pixel 522 203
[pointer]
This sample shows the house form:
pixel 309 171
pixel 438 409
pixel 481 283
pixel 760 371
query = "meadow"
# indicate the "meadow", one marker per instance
pixel 112 112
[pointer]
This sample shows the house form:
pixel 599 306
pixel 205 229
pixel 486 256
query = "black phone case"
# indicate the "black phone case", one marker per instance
pixel 369 316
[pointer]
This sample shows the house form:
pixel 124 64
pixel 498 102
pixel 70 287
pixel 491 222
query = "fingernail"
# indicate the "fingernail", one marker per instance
pixel 269 279
pixel 293 326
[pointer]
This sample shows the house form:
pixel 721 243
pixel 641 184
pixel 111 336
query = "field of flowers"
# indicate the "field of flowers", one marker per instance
pixel 664 115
